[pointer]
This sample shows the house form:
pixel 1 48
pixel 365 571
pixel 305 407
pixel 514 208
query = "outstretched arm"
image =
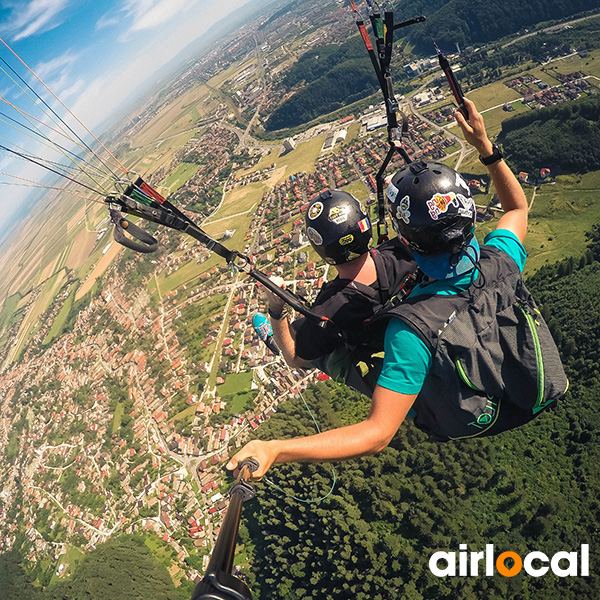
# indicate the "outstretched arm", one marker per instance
pixel 388 410
pixel 511 195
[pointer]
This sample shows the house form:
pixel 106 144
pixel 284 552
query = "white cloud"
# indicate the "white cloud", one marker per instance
pixel 59 64
pixel 141 15
pixel 33 17
pixel 156 13
pixel 107 20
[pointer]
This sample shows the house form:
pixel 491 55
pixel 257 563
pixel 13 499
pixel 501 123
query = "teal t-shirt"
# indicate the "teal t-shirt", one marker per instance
pixel 407 359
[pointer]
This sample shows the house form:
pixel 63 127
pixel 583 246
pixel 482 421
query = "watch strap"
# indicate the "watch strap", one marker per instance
pixel 494 157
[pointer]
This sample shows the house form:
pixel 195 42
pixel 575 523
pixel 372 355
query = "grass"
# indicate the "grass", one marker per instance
pixel 117 417
pixel 187 413
pixel 239 402
pixel 72 557
pixel 239 200
pixel 303 158
pixel 61 316
pixel 8 310
pixel 358 189
pixel 30 322
pixel 180 175
pixel 235 383
pixel 492 94
pixel 561 215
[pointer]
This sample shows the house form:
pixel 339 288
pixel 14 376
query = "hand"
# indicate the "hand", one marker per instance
pixel 474 129
pixel 276 304
pixel 263 452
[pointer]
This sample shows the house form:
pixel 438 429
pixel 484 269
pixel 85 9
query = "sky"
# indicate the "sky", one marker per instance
pixel 92 54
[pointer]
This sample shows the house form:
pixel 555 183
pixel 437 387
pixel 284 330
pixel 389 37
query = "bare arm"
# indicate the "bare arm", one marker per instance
pixel 511 195
pixel 286 341
pixel 282 332
pixel 388 410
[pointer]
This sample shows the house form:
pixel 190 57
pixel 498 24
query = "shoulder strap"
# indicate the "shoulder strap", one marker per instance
pixel 382 276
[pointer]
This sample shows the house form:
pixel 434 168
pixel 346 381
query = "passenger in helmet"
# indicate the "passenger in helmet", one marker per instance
pixel 433 211
pixel 339 230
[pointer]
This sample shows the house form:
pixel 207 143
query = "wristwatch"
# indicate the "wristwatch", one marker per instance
pixel 494 157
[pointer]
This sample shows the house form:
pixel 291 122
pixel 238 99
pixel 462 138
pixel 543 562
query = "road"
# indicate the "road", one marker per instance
pixel 547 29
pixel 464 148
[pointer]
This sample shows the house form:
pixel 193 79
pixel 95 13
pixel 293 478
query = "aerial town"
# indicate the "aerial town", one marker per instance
pixel 132 411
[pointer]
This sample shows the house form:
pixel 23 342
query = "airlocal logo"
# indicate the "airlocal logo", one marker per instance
pixel 535 564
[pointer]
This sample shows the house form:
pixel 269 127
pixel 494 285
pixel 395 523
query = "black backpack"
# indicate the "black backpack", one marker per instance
pixel 495 365
pixel 352 312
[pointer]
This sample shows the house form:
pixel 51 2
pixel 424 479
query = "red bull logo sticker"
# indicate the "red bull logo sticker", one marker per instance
pixel 440 203
pixel 315 210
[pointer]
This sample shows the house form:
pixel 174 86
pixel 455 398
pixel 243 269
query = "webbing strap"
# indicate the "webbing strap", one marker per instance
pixel 151 192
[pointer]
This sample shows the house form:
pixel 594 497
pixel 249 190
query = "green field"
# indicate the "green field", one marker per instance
pixel 30 323
pixel 180 175
pixel 303 157
pixel 188 413
pixel 358 189
pixel 235 383
pixel 72 557
pixel 8 311
pixel 561 215
pixel 61 316
pixel 117 417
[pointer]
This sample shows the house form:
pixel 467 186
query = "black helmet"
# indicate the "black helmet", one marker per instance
pixel 431 207
pixel 338 227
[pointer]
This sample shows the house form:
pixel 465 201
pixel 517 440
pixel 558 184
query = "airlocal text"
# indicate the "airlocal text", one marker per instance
pixel 535 564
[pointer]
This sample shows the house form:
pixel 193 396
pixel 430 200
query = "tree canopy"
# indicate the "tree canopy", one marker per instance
pixel 564 137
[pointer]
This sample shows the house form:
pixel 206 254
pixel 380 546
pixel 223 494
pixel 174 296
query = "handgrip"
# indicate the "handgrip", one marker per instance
pixel 454 85
pixel 248 466
pixel 148 243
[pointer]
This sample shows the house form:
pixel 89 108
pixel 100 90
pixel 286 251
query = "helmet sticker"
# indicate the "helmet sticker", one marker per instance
pixel 347 239
pixel 362 208
pixel 339 214
pixel 315 210
pixel 402 211
pixel 466 206
pixel 352 255
pixel 440 203
pixel 329 260
pixel 364 225
pixel 392 192
pixel 314 236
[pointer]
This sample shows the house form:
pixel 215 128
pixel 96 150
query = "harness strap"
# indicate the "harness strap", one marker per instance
pixel 382 275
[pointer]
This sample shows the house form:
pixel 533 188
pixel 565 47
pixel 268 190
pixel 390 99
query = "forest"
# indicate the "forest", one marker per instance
pixel 121 569
pixel 326 78
pixel 470 22
pixel 534 488
pixel 564 138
